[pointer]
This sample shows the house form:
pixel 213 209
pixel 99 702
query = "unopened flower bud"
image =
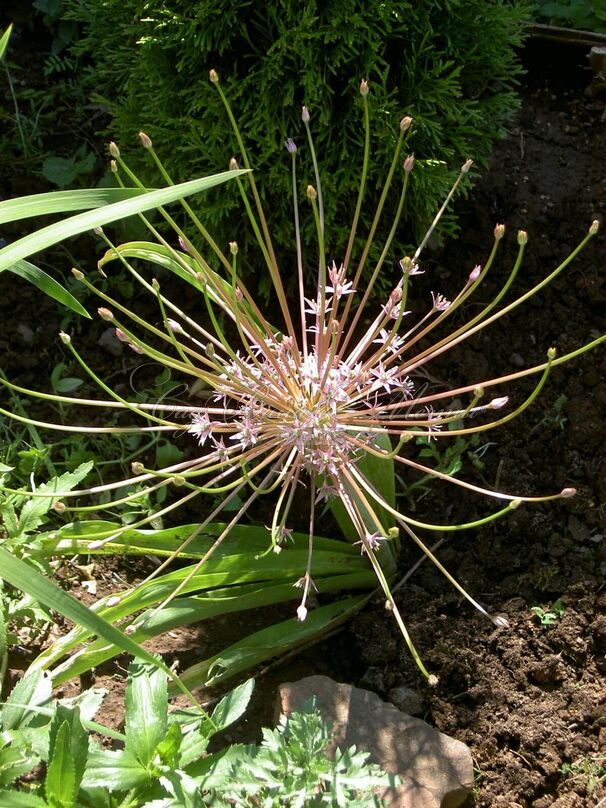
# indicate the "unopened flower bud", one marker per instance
pixel 364 87
pixel 388 606
pixel 311 192
pixel 595 226
pixel 475 273
pixel 551 353
pixel 406 264
pixel 114 150
pixel 210 350
pixel 213 76
pixel 174 326
pixel 409 163
pixel 432 680
pixel 78 274
pixel 305 119
pixel 478 392
pixel 499 231
pixel 122 336
pixel 301 613
pixel 113 600
pixel 65 338
pixel 233 164
pixel 500 621
pixel 113 166
pixel 239 294
pixel 178 480
pixel 291 146
pixel 98 231
pixel 233 247
pixel 58 506
pixel 405 123
pixel 568 492
pixel 145 140
pixel 130 629
pixel 522 237
pixel 276 549
pixel 466 166
pixel 498 403
pixel 515 504
pixel 183 244
pixel 137 467
pixel 105 314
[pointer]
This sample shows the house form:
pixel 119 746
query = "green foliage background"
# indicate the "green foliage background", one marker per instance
pixel 451 64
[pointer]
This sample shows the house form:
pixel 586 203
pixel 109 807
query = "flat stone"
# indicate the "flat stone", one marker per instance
pixel 436 770
pixel 406 700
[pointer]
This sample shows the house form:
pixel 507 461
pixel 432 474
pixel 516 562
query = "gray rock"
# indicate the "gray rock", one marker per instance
pixel 436 770
pixel 407 700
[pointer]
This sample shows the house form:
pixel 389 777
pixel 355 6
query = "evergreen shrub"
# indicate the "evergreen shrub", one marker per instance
pixel 450 64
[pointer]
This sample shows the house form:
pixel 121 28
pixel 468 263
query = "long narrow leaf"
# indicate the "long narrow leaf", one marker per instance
pixel 270 642
pixel 59 231
pixel 48 285
pixel 76 537
pixel 185 612
pixel 24 577
pixel 4 39
pixel 24 207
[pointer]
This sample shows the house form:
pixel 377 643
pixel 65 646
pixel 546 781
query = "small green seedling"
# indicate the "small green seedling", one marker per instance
pixel 549 615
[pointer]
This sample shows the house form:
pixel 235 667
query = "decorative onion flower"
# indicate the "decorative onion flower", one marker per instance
pixel 300 400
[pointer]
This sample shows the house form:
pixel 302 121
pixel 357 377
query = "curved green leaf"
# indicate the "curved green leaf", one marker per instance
pixel 271 642
pixel 183 612
pixel 24 577
pixel 4 39
pixel 76 537
pixel 24 207
pixel 48 285
pixel 59 231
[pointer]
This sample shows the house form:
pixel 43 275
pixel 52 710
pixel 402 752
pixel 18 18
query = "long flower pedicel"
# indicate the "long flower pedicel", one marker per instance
pixel 299 400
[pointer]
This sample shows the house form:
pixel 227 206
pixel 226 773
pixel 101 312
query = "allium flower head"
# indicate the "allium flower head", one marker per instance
pixel 299 399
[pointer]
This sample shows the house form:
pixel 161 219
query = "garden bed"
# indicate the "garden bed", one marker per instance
pixel 530 701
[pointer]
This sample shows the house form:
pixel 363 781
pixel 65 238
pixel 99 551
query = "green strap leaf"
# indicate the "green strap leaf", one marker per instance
pixel 48 285
pixel 183 612
pixel 59 231
pixel 24 207
pixel 270 642
pixel 24 577
pixel 4 39
pixel 75 537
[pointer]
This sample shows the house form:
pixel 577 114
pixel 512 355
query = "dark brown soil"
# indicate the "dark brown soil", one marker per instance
pixel 529 700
